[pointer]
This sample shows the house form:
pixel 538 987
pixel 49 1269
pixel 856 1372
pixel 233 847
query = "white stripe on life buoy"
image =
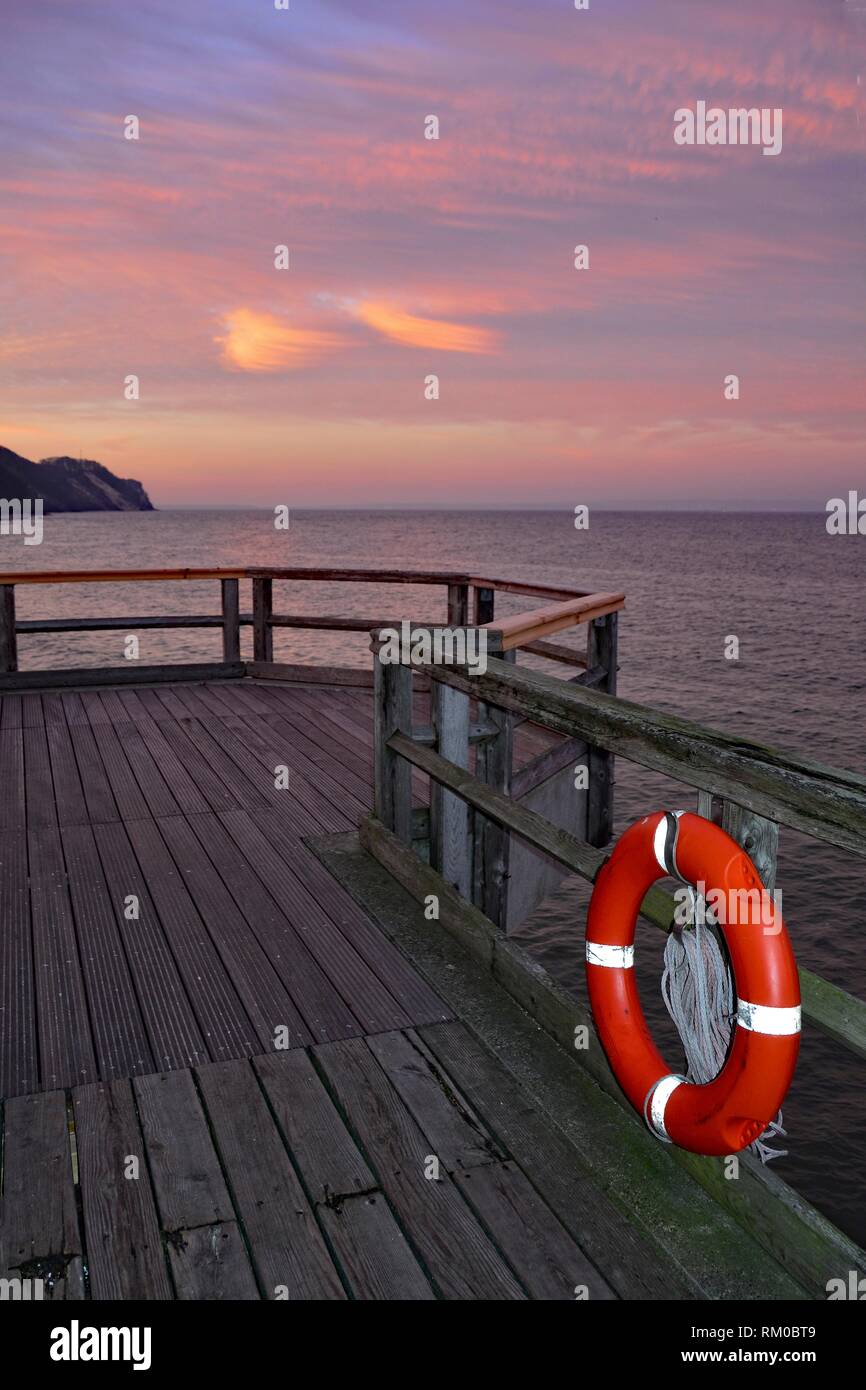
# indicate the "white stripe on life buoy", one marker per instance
pixel 616 957
pixel 659 840
pixel 763 1018
pixel 661 1094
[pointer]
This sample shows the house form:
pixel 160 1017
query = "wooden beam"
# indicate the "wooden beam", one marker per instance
pixel 544 622
pixel 758 837
pixel 129 624
pixel 392 714
pixel 601 653
pixel 8 642
pixel 231 620
pixel 98 576
pixel 450 846
pixel 310 675
pixel 554 760
pixel 485 598
pixel 458 605
pixel 263 607
pixel 555 651
pixel 130 674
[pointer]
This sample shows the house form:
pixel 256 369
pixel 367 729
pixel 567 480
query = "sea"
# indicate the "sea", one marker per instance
pixel 793 597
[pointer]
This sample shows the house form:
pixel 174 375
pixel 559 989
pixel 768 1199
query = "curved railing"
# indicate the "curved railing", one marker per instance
pixel 469 598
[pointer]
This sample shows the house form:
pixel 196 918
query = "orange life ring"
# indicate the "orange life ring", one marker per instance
pixel 728 1113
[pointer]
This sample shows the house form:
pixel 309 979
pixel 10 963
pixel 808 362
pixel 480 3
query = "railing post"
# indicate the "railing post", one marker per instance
pixel 231 620
pixel 458 605
pixel 484 602
pixel 263 607
pixel 392 775
pixel 493 766
pixel 758 837
pixel 8 638
pixel 601 650
pixel 450 845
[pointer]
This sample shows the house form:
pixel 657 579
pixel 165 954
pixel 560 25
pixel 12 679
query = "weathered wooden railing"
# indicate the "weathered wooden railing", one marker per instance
pixel 470 867
pixel 467 598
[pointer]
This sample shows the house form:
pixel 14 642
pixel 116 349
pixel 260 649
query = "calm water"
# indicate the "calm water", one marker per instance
pixel 792 595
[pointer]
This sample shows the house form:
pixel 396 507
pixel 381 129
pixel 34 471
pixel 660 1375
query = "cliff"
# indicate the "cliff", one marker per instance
pixel 70 485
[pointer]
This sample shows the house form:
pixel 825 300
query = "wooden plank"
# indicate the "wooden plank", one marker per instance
pixel 193 783
pixel 375 1256
pixel 550 1263
pixel 323 1012
pixel 12 799
pixel 346 790
pixel 211 1263
pixel 10 712
pixel 66 1052
pixel 420 1002
pixel 18 1052
pixel 184 1168
pixel 327 743
pixel 163 988
pixel 457 1136
pixel 218 1009
pixel 98 797
pixel 325 1154
pixel 285 1242
pixel 39 1235
pixel 128 796
pixel 244 787
pixel 371 1002
pixel 119 1036
pixel 267 1003
pixel 32 715
pixel 632 1267
pixel 456 1252
pixel 38 781
pixel 302 807
pixel 124 1249
pixel 148 774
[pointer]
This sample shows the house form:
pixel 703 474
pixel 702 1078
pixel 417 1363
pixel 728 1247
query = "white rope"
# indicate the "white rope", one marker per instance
pixel 698 990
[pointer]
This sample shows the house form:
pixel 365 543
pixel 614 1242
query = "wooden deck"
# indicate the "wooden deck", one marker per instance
pixel 222 1078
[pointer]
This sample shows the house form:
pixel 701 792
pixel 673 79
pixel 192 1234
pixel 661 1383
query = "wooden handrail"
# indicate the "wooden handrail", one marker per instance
pixel 532 626
pixel 825 802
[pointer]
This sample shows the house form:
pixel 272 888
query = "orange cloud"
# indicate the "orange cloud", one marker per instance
pixel 259 342
pixel 427 333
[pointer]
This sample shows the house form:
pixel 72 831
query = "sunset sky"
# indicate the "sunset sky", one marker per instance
pixel 410 257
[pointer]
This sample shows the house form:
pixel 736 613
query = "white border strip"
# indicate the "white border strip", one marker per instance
pixel 762 1018
pixel 615 957
pixel 661 1094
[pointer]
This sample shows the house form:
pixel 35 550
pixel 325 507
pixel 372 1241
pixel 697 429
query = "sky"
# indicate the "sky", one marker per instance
pixel 411 258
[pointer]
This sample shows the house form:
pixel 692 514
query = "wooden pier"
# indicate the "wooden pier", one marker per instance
pixel 241 1058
